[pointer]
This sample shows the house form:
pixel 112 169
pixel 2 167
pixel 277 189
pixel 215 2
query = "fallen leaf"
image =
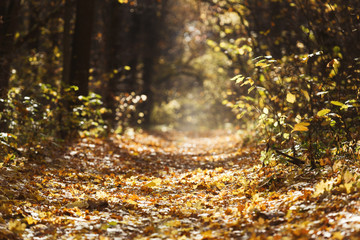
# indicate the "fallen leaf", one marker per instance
pixel 291 98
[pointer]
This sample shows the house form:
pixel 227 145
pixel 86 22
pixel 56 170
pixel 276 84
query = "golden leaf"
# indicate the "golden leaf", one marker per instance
pixel 154 183
pixel 337 103
pixel 306 95
pixel 338 236
pixel 323 112
pixel 16 226
pixel 301 127
pixel 291 98
pixel 173 223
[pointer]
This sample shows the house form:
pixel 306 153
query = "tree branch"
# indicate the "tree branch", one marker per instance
pixel 11 147
pixel 291 159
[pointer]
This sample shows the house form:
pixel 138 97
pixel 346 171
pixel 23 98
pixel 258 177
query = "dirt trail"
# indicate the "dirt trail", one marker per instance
pixel 171 186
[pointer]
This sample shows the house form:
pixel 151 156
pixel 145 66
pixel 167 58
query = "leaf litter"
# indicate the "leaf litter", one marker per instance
pixel 175 186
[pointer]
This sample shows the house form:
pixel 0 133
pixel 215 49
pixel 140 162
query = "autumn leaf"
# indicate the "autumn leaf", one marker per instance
pixel 213 192
pixel 306 95
pixel 16 226
pixel 207 234
pixel 337 236
pixel 323 112
pixel 322 187
pixel 262 64
pixel 238 78
pixel 173 223
pixel 301 127
pixel 30 220
pixel 337 103
pixel 154 183
pixel 291 98
pixel 79 204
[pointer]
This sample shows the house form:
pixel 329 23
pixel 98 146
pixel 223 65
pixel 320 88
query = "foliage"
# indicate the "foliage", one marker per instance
pixel 301 78
pixel 35 117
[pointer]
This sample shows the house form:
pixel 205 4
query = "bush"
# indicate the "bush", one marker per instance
pixel 31 119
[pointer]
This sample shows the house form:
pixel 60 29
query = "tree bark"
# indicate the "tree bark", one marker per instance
pixel 152 24
pixel 112 31
pixel 8 13
pixel 80 57
pixel 67 43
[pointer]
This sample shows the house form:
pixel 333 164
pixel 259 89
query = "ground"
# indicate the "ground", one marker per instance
pixel 175 186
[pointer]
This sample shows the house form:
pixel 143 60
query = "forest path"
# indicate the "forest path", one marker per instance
pixel 170 186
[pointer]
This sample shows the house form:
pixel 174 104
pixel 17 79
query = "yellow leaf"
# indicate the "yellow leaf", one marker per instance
pixel 337 236
pixel 337 103
pixel 30 220
pixel 250 89
pixel 220 185
pixel 301 127
pixel 78 204
pixel 323 112
pixel 291 98
pixel 262 64
pixel 348 187
pixel 132 202
pixel 337 165
pixel 306 95
pixel 16 226
pixel 154 183
pixel 173 223
pixel 322 187
pixel 207 234
pixel 348 176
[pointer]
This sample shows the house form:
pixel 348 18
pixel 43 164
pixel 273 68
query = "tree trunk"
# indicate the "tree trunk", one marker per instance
pixel 113 21
pixel 134 54
pixel 152 26
pixel 80 58
pixel 67 43
pixel 8 13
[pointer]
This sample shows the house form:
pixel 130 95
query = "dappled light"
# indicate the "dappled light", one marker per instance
pixel 185 119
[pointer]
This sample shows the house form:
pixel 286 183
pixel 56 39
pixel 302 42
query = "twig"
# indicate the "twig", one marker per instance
pixel 293 160
pixel 11 147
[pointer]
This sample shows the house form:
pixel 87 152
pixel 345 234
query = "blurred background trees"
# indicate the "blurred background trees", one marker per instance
pixel 74 67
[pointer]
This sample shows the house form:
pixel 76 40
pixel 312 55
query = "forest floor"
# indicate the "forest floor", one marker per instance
pixel 175 186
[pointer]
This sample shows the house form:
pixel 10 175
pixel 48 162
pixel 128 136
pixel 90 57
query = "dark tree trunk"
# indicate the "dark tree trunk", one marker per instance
pixel 80 58
pixel 134 53
pixel 113 21
pixel 8 14
pixel 67 43
pixel 152 26
pixel 63 129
